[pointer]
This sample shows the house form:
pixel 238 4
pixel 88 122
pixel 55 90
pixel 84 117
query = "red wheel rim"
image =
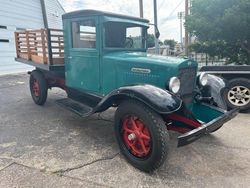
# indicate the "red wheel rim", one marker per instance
pixel 36 88
pixel 136 136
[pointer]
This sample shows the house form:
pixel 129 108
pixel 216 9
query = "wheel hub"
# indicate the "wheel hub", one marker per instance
pixel 131 136
pixel 239 96
pixel 36 88
pixel 136 136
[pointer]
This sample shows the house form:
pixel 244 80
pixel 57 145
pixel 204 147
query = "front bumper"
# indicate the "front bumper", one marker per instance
pixel 206 128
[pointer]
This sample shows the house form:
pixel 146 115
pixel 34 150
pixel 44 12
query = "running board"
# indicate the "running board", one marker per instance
pixel 75 106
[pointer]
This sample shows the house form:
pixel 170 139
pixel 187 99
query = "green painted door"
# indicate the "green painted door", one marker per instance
pixel 82 71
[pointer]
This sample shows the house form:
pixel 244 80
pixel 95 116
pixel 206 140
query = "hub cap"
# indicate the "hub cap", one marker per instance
pixel 239 96
pixel 136 136
pixel 36 88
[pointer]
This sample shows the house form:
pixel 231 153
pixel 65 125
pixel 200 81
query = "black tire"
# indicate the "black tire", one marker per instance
pixel 39 96
pixel 156 128
pixel 233 84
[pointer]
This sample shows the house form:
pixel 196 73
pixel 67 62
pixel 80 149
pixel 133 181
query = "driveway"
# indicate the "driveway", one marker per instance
pixel 51 147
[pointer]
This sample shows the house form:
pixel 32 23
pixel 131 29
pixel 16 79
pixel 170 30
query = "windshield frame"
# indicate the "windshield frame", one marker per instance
pixel 143 25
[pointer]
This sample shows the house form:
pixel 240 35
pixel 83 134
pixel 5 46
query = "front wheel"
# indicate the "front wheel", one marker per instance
pixel 142 135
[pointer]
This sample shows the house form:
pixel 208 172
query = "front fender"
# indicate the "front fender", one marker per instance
pixel 215 88
pixel 161 101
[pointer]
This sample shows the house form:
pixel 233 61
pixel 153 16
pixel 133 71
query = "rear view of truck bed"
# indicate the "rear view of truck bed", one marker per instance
pixel 43 48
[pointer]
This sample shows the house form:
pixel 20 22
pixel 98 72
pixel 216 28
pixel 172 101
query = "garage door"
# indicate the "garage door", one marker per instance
pixel 8 52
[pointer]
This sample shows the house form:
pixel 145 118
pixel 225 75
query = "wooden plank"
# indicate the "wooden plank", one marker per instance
pixel 39 59
pixel 31 45
pixel 17 51
pixel 27 41
pixel 58 60
pixel 39 51
pixel 57 53
pixel 21 37
pixel 21 41
pixel 59 30
pixel 24 56
pixel 57 47
pixel 38 36
pixel 36 30
pixel 54 35
pixel 44 46
pixel 55 41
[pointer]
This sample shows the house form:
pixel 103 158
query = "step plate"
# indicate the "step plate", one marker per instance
pixel 74 106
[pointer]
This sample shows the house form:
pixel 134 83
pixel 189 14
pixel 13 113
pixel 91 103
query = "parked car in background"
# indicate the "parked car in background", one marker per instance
pixel 237 92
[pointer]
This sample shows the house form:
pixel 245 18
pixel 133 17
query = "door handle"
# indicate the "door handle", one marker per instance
pixel 70 57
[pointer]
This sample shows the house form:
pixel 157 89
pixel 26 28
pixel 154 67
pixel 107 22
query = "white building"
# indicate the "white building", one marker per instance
pixel 22 15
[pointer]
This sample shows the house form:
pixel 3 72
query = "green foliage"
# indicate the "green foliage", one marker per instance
pixel 171 43
pixel 222 28
pixel 150 41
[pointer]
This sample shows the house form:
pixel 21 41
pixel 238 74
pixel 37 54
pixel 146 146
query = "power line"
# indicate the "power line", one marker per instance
pixel 172 12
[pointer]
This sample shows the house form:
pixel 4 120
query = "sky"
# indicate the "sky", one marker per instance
pixel 168 22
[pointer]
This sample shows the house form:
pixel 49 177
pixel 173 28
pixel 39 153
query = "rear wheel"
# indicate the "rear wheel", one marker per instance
pixel 38 87
pixel 142 135
pixel 238 94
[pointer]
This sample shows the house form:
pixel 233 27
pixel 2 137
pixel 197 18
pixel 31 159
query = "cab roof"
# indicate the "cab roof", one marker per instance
pixel 89 12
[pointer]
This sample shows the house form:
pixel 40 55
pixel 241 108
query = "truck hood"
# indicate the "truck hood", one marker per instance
pixel 150 59
pixel 126 68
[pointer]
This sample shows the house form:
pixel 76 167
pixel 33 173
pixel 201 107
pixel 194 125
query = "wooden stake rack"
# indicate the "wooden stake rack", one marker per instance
pixel 44 46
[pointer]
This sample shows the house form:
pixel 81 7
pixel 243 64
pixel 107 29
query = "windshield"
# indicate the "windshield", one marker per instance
pixel 124 35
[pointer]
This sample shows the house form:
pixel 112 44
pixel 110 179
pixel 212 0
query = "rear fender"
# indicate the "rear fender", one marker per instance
pixel 161 101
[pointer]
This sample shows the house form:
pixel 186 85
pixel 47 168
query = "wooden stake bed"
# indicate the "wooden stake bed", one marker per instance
pixel 43 48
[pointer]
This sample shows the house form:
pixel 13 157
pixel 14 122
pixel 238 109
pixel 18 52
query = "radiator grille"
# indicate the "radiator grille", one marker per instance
pixel 187 78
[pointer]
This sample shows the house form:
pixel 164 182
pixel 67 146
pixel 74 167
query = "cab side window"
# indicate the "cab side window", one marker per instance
pixel 84 34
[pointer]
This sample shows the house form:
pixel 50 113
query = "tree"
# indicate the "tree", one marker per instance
pixel 150 41
pixel 171 43
pixel 222 23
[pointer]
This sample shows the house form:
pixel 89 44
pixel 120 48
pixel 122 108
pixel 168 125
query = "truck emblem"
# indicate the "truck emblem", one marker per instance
pixel 189 63
pixel 141 70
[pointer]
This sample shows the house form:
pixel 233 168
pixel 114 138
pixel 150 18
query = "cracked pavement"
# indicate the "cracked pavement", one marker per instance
pixel 51 147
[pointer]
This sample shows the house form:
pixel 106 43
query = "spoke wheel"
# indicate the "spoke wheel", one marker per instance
pixel 38 87
pixel 141 134
pixel 136 136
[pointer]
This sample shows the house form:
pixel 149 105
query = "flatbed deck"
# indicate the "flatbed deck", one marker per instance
pixel 57 67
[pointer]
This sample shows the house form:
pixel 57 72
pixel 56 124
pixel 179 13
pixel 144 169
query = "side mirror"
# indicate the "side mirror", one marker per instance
pixel 157 34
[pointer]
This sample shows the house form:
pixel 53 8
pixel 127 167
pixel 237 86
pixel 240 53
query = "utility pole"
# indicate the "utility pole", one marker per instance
pixel 186 32
pixel 45 19
pixel 180 16
pixel 155 22
pixel 141 8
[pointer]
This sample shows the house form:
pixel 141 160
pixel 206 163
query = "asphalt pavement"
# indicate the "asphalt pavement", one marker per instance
pixel 49 146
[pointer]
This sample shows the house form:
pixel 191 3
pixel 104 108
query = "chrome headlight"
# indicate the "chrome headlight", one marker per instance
pixel 174 84
pixel 203 79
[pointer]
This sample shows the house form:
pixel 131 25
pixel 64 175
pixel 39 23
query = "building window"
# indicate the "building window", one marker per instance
pixel 4 40
pixel 84 34
pixel 3 27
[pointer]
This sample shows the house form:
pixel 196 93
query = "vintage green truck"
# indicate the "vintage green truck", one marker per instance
pixel 100 60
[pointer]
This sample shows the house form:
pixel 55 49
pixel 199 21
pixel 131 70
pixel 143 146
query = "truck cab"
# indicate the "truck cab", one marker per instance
pixel 106 64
